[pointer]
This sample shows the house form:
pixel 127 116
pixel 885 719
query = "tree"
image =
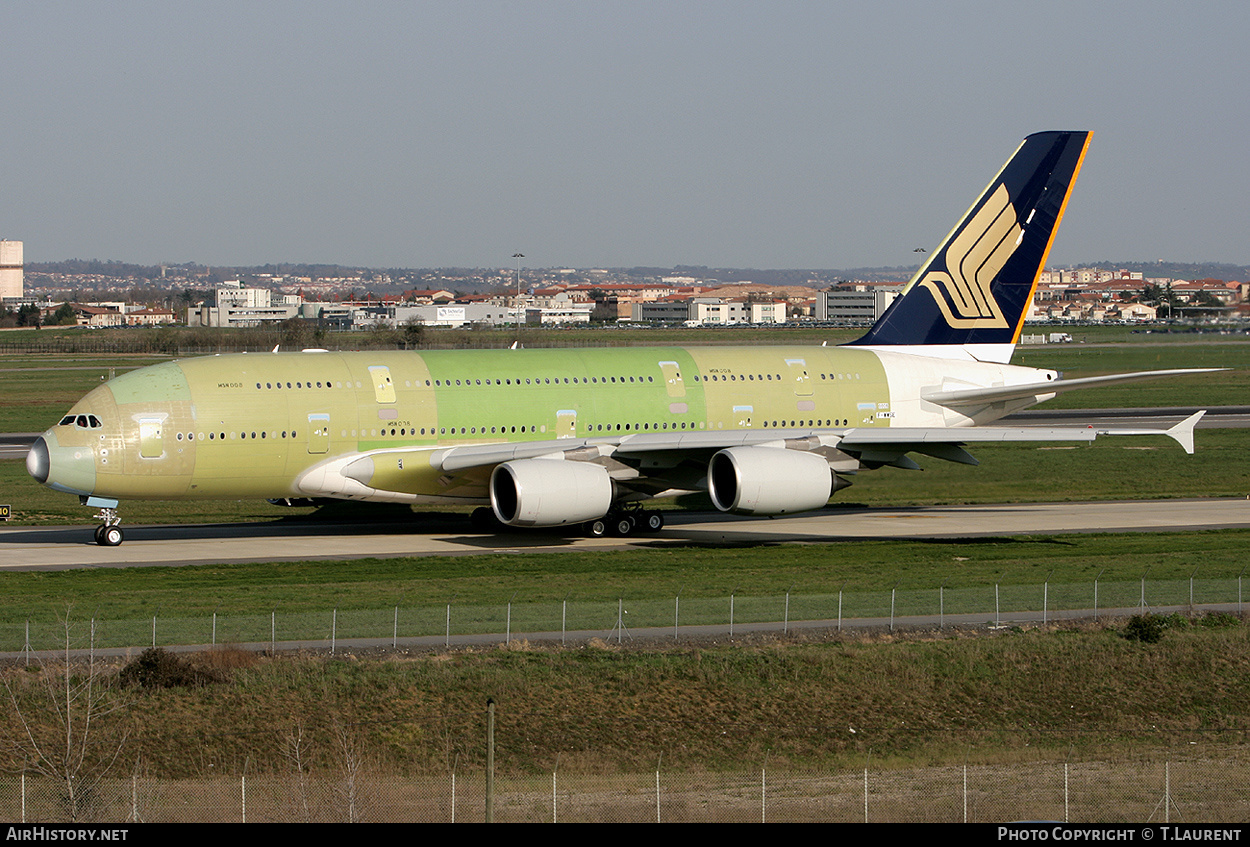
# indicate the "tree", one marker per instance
pixel 28 315
pixel 414 333
pixel 70 726
pixel 64 316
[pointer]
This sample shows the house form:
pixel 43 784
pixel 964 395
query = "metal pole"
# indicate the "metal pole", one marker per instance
pixel 865 795
pixel 840 588
pixel 1065 792
pixel 490 760
pixel 657 795
pixel 763 795
pixel 1098 577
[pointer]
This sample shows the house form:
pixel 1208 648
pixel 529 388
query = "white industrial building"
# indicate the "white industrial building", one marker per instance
pixel 238 306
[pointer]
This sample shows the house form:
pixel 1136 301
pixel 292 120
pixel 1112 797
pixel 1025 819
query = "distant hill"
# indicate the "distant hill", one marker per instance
pixel 473 279
pixel 1179 270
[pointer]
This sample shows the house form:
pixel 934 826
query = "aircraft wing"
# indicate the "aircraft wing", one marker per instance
pixel 652 461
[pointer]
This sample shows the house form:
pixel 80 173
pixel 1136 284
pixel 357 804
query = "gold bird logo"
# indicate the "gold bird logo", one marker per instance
pixel 973 258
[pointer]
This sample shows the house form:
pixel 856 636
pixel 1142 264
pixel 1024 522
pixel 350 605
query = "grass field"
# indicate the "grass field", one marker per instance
pixel 636 575
pixel 1019 696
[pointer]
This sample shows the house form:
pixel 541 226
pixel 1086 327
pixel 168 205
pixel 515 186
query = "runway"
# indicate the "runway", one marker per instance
pixel 64 548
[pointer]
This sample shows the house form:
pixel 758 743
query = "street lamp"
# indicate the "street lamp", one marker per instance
pixel 518 257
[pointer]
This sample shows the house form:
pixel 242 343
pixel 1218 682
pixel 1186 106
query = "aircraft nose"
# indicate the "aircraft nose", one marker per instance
pixel 69 469
pixel 37 461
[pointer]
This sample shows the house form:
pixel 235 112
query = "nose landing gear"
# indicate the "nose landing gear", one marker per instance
pixel 109 532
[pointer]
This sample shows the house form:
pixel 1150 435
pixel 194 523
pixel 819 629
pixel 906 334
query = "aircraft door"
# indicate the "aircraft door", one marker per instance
pixel 566 423
pixel 319 433
pixel 802 380
pixel 383 388
pixel 151 440
pixel 671 372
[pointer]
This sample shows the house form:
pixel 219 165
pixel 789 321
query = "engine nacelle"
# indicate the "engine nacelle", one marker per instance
pixel 549 492
pixel 768 480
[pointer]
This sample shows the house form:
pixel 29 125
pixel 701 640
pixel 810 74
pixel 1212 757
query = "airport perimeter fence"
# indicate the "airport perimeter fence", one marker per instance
pixel 619 621
pixel 1160 789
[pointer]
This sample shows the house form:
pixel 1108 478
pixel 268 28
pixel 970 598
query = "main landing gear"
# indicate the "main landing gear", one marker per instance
pixel 624 522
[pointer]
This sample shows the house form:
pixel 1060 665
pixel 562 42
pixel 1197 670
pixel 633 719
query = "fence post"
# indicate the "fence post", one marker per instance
pixel 490 760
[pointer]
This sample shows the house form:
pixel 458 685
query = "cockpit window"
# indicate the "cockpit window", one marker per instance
pixel 82 421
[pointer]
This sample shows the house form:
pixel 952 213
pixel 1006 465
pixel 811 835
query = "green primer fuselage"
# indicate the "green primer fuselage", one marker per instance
pixel 248 425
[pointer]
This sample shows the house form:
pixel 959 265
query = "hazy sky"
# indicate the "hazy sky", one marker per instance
pixel 606 134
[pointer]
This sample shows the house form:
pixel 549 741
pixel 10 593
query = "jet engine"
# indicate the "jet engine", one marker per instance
pixel 768 480
pixel 549 492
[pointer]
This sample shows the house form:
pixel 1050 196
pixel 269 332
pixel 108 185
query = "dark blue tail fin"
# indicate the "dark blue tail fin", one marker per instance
pixel 975 290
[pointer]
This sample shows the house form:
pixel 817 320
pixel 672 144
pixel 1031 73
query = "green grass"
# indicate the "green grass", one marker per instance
pixel 490 580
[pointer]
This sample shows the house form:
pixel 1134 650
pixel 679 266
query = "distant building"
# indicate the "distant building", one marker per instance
pixel 11 280
pixel 150 317
pixel 238 306
pixel 860 306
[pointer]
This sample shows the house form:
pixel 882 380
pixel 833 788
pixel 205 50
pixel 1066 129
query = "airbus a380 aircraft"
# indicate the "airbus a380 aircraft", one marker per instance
pixel 581 437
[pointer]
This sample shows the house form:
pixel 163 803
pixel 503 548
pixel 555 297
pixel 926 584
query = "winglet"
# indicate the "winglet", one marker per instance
pixel 1183 432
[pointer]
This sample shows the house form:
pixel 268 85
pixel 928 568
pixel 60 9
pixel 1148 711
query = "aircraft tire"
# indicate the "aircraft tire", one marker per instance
pixel 110 536
pixel 652 521
pixel 623 526
pixel 596 528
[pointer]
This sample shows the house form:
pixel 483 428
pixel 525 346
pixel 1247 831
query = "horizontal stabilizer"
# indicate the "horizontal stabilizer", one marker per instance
pixel 999 393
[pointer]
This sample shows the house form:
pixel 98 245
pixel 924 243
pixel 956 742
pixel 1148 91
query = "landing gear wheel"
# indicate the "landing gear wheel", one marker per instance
pixel 110 536
pixel 596 529
pixel 99 534
pixel 652 521
pixel 622 526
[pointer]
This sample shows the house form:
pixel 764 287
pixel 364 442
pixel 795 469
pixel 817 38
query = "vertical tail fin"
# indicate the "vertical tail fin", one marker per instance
pixel 975 290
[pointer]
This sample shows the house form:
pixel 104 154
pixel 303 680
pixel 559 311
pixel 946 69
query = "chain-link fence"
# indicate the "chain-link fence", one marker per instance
pixel 625 618
pixel 1158 790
